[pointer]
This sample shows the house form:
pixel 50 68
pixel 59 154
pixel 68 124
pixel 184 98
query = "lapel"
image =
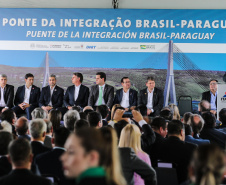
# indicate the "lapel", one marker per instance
pixel 23 92
pixel 31 94
pixel 4 93
pixel 73 92
pixel 146 96
pixel 120 95
pixel 154 97
pixel 96 94
pixel 105 91
pixel 130 96
pixel 48 93
pixel 80 91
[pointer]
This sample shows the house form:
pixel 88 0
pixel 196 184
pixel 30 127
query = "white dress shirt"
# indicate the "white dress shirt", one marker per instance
pixel 125 99
pixel 103 103
pixel 77 88
pixel 27 94
pixel 2 101
pixel 150 100
pixel 51 93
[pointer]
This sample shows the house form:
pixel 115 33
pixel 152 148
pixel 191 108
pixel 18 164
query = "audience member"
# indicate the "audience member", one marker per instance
pixel 186 117
pixel 21 126
pixel 55 118
pixel 119 126
pixel 6 126
pixel 81 124
pixel 87 108
pixel 70 118
pixel 20 156
pixel 196 122
pixel 130 137
pixel 208 165
pixel 113 110
pixel 143 110
pixel 77 108
pixel 222 119
pixel 167 113
pixel 49 133
pixel 103 110
pixel 210 132
pixel 39 113
pixel 9 116
pixel 5 166
pixel 83 115
pixel 203 106
pixel 94 119
pixel 176 113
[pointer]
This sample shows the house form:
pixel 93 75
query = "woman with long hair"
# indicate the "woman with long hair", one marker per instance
pixel 176 114
pixel 55 118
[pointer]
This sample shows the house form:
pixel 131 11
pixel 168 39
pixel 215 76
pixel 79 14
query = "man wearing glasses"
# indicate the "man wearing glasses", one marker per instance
pixel 211 96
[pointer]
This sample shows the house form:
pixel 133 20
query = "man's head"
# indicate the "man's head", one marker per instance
pixel 204 106
pixel 38 113
pixel 213 85
pixel 9 116
pixel 159 125
pixel 210 119
pixel 222 116
pixel 52 80
pixel 196 122
pixel 94 119
pixel 126 84
pixel 21 126
pixel 103 110
pixel 82 123
pixel 70 118
pixel 167 113
pixel 5 139
pixel 77 78
pixel 60 136
pixel 176 128
pixel 29 79
pixel 87 108
pixel 186 117
pixel 49 127
pixel 100 78
pixel 20 153
pixel 150 83
pixel 3 80
pixel 37 129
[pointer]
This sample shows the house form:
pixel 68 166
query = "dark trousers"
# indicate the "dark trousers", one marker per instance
pixel 18 111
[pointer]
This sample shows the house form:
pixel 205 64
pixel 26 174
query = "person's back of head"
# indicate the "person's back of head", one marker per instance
pixel 49 126
pixel 77 108
pixel 9 116
pixel 142 109
pixel 166 113
pixel 176 128
pixel 196 122
pixel 6 126
pixel 94 119
pixel 81 124
pixel 87 111
pixel 70 118
pixel 222 116
pixel 5 139
pixel 103 110
pixel 60 136
pixel 21 126
pixel 204 106
pixel 55 118
pixel 209 119
pixel 38 113
pixel 207 166
pixel 186 117
pixel 119 126
pixel 37 129
pixel 83 115
pixel 188 130
pixel 176 114
pixel 20 153
pixel 159 125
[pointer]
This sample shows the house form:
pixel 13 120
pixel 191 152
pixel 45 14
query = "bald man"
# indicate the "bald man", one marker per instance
pixel 22 128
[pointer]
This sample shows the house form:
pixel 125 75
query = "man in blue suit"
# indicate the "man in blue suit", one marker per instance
pixel 27 97
pixel 126 96
pixel 51 95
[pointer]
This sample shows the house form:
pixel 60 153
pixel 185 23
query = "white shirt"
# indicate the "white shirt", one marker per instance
pixel 125 99
pixel 51 93
pixel 150 100
pixel 77 88
pixel 2 101
pixel 103 103
pixel 27 94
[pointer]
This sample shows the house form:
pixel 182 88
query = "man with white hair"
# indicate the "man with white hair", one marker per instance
pixel 39 113
pixel 70 118
pixel 6 95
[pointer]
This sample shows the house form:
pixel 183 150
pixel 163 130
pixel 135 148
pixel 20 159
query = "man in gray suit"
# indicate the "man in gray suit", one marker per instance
pixel 101 93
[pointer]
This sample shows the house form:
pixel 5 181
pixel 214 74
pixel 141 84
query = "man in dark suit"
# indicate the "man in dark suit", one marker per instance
pixel 6 94
pixel 126 96
pixel 20 156
pixel 152 97
pixel 211 95
pixel 101 93
pixel 51 95
pixel 175 150
pixel 27 97
pixel 49 162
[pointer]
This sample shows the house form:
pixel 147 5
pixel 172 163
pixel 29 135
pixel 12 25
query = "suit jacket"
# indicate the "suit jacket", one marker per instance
pixel 5 166
pixel 175 151
pixel 48 142
pixel 38 148
pixel 157 101
pixel 108 95
pixel 200 141
pixel 131 163
pixel 82 99
pixel 23 176
pixel 8 95
pixel 57 97
pixel 207 96
pixel 132 97
pixel 34 96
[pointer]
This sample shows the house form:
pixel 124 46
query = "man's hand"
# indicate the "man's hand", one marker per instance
pixel 26 105
pixel 213 111
pixel 118 114
pixel 149 112
pixel 126 109
pixel 4 109
pixel 21 106
pixel 137 116
pixel 48 108
pixel 132 108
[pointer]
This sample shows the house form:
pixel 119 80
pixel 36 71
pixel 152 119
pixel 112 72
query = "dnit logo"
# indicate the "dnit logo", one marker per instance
pixel 90 47
pixel 223 99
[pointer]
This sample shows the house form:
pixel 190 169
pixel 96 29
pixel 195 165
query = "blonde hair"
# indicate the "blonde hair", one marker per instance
pixel 113 110
pixel 130 137
pixel 176 114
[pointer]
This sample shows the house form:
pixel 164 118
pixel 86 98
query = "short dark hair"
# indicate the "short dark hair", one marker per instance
pixel 123 79
pixel 94 118
pixel 24 128
pixel 222 116
pixel 213 80
pixel 186 117
pixel 210 119
pixel 82 123
pixel 142 109
pixel 60 136
pixel 76 108
pixel 79 75
pixel 175 127
pixel 83 115
pixel 87 111
pixel 8 115
pixel 28 75
pixel 167 113
pixel 119 126
pixel 103 110
pixel 150 78
pixel 5 139
pixel 158 122
pixel 19 151
pixel 102 75
pixel 188 129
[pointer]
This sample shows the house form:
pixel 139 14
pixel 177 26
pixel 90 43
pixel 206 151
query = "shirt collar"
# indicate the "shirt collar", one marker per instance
pixel 57 147
pixel 77 86
pixel 28 88
pixel 126 92
pixel 151 91
pixel 102 86
pixel 3 87
pixel 53 87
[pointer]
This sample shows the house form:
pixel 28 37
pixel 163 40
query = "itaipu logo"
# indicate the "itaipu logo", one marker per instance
pixel 223 99
pixel 147 46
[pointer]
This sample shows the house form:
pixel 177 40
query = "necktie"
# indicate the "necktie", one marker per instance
pixel 100 96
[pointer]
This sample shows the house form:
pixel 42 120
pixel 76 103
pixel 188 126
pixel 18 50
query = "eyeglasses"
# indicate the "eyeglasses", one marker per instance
pixel 213 83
